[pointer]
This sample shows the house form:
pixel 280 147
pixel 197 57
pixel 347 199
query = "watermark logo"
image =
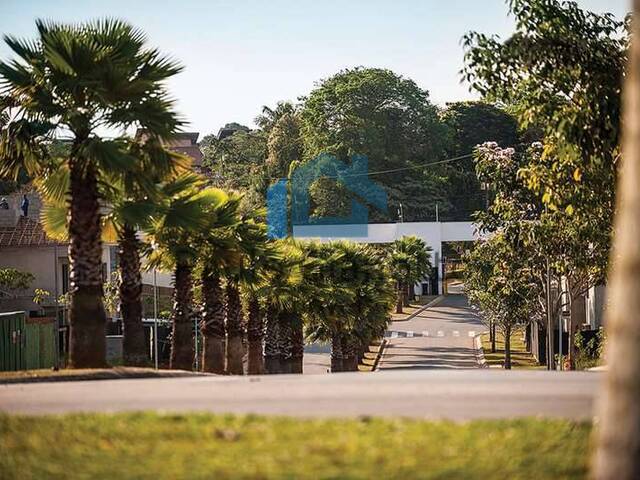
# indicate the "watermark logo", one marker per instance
pixel 289 203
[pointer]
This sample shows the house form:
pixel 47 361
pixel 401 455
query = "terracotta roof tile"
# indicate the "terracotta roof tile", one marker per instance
pixel 27 233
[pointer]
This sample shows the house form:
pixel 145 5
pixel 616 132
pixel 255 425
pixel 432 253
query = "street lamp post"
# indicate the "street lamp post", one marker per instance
pixel 155 319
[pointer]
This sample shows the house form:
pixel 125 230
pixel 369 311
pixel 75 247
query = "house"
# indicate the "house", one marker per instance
pixel 25 246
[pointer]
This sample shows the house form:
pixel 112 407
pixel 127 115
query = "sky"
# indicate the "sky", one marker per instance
pixel 240 55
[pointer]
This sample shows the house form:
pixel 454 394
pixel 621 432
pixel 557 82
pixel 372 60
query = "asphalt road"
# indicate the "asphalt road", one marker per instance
pixel 450 394
pixel 442 336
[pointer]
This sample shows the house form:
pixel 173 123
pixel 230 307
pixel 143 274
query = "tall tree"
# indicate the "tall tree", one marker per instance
pixel 472 124
pixel 561 72
pixel 83 78
pixel 498 279
pixel 385 117
pixel 131 200
pixel 410 261
pixel 174 235
pixel 618 433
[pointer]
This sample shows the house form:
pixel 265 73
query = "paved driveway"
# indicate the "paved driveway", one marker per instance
pixel 441 336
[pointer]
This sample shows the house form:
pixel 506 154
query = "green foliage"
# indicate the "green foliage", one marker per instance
pixel 499 281
pixel 562 72
pixel 79 78
pixel 387 118
pixel 409 259
pixel 111 289
pixel 589 351
pixel 472 124
pixel 41 296
pixel 13 279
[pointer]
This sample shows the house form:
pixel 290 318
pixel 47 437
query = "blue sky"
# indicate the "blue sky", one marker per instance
pixel 242 54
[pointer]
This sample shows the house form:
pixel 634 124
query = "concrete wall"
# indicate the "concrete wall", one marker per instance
pixel 9 218
pixel 595 306
pixel 433 234
pixel 39 261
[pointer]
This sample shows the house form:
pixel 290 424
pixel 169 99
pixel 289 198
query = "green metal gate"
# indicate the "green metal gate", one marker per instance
pixel 12 330
pixel 26 343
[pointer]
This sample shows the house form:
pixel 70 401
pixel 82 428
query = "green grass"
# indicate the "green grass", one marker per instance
pixel 199 446
pixel 520 358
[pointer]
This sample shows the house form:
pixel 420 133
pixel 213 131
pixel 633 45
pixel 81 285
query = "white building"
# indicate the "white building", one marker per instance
pixel 434 234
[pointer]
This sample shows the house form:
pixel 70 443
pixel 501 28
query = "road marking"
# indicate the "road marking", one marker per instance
pixel 456 333
pixel 410 335
pixel 395 335
pixel 440 333
pixel 472 333
pixel 425 333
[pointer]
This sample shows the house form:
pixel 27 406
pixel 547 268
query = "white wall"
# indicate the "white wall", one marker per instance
pixel 433 234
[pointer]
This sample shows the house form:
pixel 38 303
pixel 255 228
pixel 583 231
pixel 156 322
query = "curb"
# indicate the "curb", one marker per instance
pixel 102 374
pixel 432 303
pixel 376 361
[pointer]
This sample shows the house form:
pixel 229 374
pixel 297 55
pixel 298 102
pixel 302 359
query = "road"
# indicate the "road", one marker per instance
pixel 450 394
pixel 441 336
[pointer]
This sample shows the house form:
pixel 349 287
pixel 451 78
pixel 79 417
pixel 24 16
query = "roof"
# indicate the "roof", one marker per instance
pixel 27 233
pixel 185 143
pixel 192 151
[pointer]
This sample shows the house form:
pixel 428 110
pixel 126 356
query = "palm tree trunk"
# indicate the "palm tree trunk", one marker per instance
pixel 235 330
pixel 285 342
pixel 213 351
pixel 618 436
pixel 507 347
pixel 182 346
pixel 400 298
pixel 255 334
pixel 297 351
pixel 350 347
pixel 271 347
pixel 87 318
pixel 407 294
pixel 336 353
pixel 133 344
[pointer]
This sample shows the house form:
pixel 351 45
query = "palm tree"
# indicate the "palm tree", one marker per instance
pixel 260 256
pixel 131 200
pixel 285 294
pixel 83 78
pixel 330 310
pixel 174 234
pixel 250 235
pixel 357 297
pixel 270 116
pixel 218 251
pixel 410 261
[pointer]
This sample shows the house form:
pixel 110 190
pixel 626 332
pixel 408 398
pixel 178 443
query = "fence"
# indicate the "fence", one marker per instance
pixel 27 343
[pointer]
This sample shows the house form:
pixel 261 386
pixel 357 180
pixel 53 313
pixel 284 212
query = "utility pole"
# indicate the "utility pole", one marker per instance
pixel 155 319
pixel 437 216
pixel 549 323
pixel 195 324
pixel 560 321
pixel 401 213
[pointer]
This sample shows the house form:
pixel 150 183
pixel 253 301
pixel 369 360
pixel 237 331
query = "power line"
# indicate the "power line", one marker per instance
pixel 399 169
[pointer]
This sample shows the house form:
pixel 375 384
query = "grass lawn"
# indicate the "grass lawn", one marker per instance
pixel 199 446
pixel 520 358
